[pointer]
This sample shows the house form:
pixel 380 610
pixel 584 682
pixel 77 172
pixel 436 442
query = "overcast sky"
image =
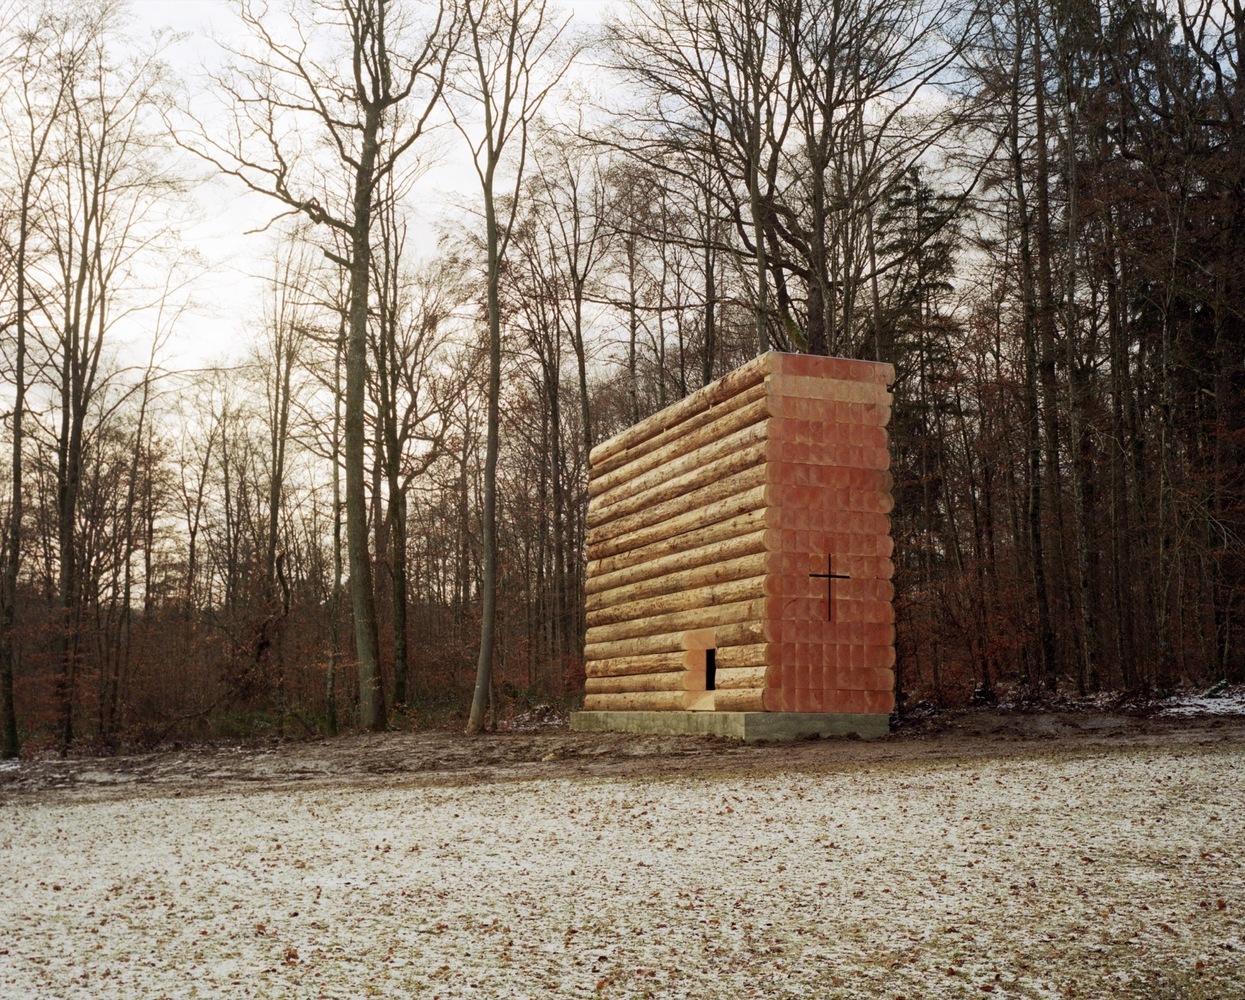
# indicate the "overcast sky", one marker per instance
pixel 227 298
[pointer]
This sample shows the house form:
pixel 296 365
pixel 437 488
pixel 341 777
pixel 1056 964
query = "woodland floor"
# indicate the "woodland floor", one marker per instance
pixel 972 853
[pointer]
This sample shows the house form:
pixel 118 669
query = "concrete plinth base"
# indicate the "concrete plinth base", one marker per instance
pixel 746 726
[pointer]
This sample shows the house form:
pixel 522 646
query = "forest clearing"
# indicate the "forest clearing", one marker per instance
pixel 986 853
pixel 323 324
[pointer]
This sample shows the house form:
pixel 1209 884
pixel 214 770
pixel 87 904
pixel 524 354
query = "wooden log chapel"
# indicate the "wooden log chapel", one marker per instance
pixel 739 550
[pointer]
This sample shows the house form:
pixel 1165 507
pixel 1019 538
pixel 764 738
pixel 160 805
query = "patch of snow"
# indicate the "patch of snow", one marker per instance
pixel 540 717
pixel 1229 703
pixel 106 777
pixel 1112 874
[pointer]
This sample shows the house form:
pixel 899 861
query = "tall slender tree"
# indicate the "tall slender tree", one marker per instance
pixel 370 99
pixel 37 77
pixel 509 67
pixel 101 224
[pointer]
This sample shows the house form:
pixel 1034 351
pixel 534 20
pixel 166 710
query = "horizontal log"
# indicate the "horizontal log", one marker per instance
pixel 812 429
pixel 639 455
pixel 688 503
pixel 726 679
pixel 649 645
pixel 828 525
pixel 734 678
pixel 696 641
pixel 836 454
pixel 741 579
pixel 826 700
pixel 673 681
pixel 742 633
pixel 739 601
pixel 732 505
pixel 798 585
pixel 624 666
pixel 814 499
pixel 728 539
pixel 832 480
pixel 871 634
pixel 637 701
pixel 840 390
pixel 679 581
pixel 731 657
pixel 603 589
pixel 805 553
pixel 748 409
pixel 805 508
pixel 744 700
pixel 825 412
pixel 714 394
pixel 711 465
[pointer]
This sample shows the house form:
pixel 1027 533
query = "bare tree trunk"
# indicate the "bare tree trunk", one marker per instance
pixel 710 347
pixel 1087 666
pixel 1033 434
pixel 335 603
pixel 10 746
pixel 40 132
pixel 633 328
pixel 581 367
pixel 362 595
pixel 397 542
pixel 1042 272
pixel 488 535
pixel 506 40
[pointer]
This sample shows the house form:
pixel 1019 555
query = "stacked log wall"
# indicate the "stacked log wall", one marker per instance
pixel 676 546
pixel 705 522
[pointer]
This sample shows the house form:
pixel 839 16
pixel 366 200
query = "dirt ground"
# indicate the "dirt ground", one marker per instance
pixel 542 746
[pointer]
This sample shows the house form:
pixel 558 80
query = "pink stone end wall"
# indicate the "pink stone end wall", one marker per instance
pixel 828 466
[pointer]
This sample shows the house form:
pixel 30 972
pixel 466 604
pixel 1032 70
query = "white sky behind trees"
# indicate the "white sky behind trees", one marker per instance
pixel 226 295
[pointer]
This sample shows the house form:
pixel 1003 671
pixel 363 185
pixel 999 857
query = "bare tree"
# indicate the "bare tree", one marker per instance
pixel 508 70
pixel 803 112
pixel 101 225
pixel 37 75
pixel 571 188
pixel 412 310
pixel 718 78
pixel 287 324
pixel 369 100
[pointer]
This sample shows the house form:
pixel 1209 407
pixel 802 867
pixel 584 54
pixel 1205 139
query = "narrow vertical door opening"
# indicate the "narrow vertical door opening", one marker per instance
pixel 699 666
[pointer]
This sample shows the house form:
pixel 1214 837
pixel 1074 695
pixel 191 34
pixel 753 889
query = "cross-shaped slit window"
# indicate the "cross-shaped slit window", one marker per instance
pixel 829 576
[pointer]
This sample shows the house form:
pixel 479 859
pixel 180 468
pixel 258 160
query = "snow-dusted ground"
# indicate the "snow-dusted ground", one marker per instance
pixel 1112 873
pixel 1229 703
